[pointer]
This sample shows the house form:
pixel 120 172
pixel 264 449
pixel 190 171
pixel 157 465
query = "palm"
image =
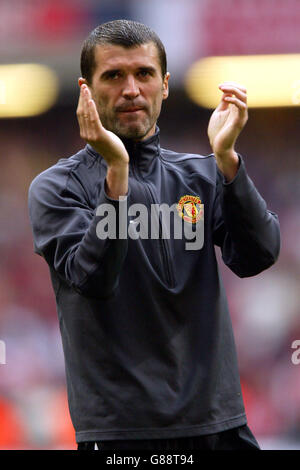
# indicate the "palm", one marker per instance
pixel 110 147
pixel 225 125
pixel 105 142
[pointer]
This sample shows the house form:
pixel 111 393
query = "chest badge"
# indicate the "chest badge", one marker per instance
pixel 190 209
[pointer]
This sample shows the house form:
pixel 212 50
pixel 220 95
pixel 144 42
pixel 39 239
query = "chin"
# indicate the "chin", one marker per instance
pixel 132 132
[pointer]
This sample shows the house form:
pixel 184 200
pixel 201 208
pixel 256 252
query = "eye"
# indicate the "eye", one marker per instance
pixel 144 73
pixel 113 75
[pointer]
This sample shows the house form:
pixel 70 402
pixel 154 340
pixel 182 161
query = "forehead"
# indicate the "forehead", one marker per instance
pixel 110 56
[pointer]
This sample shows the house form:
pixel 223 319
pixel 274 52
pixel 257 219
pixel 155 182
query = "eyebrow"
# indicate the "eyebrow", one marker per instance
pixel 108 73
pixel 147 69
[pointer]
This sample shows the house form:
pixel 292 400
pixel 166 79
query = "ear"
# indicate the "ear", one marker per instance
pixel 166 86
pixel 82 81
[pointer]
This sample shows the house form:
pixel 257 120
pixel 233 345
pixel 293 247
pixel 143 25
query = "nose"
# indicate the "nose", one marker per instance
pixel 131 89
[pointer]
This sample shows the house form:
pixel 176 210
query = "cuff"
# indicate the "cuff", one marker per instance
pixel 109 199
pixel 241 171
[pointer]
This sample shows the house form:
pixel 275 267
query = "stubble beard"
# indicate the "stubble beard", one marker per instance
pixel 127 128
pixel 134 128
pixel 134 131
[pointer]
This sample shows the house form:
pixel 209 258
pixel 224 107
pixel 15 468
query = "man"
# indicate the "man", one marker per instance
pixel 147 337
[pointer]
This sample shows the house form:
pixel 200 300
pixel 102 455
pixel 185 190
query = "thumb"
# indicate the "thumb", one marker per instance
pixel 223 105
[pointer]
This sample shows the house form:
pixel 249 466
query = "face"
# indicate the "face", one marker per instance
pixel 128 89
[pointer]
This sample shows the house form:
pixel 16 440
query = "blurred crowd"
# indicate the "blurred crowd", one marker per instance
pixel 264 309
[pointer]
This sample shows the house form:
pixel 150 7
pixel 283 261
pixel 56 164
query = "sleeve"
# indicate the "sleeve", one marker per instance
pixel 246 231
pixel 65 232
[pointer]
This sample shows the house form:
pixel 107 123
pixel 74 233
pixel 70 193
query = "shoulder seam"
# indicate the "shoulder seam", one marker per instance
pixel 208 180
pixel 187 156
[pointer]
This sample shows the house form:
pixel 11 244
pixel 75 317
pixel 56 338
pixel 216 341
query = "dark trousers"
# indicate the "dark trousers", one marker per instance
pixel 240 438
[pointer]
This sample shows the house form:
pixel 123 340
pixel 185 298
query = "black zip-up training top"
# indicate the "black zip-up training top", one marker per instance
pixel 147 337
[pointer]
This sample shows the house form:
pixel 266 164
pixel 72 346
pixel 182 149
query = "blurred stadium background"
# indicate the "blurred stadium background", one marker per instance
pixel 38 126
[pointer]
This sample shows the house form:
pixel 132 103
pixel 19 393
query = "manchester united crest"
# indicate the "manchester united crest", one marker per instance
pixel 190 209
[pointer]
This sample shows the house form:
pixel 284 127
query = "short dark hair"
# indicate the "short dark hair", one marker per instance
pixel 124 33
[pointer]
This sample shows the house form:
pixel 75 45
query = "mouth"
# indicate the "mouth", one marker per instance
pixel 133 109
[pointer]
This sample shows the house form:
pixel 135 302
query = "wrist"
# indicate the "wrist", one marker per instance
pixel 117 180
pixel 118 167
pixel 228 164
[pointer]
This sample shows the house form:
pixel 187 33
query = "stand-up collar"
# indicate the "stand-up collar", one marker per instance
pixel 141 153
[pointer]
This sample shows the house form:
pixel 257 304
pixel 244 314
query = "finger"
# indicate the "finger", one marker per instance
pixel 80 104
pixel 94 115
pixel 239 103
pixel 86 96
pixel 240 94
pixel 234 84
pixel 86 111
pixel 223 105
pixel 94 123
pixel 80 113
pixel 93 126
